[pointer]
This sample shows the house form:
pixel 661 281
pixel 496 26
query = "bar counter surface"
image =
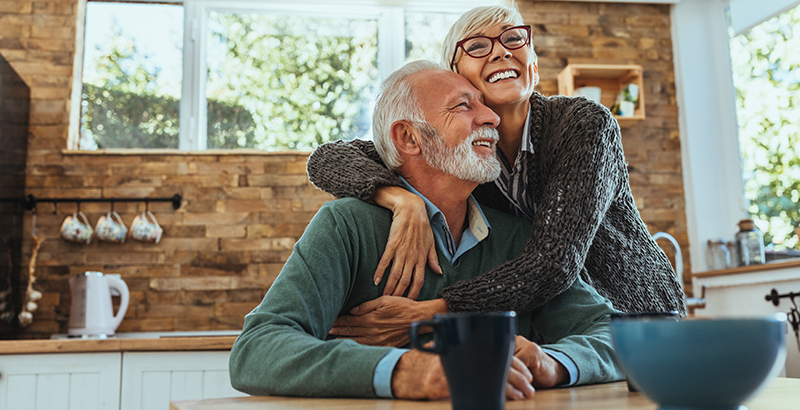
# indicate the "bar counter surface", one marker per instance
pixel 782 393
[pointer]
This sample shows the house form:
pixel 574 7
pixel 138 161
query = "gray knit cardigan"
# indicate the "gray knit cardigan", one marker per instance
pixel 586 222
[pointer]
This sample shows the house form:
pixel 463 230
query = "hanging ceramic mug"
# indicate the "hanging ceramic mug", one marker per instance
pixel 145 228
pixel 110 228
pixel 76 228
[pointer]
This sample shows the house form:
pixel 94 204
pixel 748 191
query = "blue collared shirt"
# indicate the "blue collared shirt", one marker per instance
pixel 477 230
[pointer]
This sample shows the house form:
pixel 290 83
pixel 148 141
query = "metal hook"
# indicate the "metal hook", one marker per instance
pixel 112 205
pixel 794 321
pixel 55 207
pixel 78 202
pixel 147 205
pixel 33 222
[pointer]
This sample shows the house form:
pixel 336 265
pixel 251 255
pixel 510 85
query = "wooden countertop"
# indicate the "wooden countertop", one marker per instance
pixel 116 345
pixel 781 394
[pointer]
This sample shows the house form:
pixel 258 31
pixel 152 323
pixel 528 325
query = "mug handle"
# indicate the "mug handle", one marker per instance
pixel 114 216
pixel 82 216
pixel 437 332
pixel 152 218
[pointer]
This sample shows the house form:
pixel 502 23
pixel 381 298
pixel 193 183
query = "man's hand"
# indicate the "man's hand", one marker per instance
pixel 419 375
pixel 519 381
pixel 386 320
pixel 547 372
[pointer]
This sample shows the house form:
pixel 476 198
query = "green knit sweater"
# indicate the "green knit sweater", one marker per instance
pixel 283 350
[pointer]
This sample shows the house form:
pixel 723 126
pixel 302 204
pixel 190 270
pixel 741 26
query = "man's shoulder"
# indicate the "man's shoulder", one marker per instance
pixel 355 208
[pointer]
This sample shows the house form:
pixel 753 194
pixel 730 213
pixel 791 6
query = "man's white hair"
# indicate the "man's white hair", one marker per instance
pixel 396 101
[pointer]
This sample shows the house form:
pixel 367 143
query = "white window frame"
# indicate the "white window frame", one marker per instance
pixel 193 105
pixel 712 168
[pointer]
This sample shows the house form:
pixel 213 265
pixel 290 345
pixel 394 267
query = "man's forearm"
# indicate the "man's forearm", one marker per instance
pixel 429 308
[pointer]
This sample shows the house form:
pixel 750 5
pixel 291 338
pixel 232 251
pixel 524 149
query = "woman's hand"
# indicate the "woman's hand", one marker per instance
pixel 410 243
pixel 386 320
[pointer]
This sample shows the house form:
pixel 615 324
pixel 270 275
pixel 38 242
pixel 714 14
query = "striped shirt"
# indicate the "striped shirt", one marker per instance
pixel 513 180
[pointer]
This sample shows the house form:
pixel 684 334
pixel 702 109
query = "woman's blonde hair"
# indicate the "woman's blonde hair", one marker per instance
pixel 475 21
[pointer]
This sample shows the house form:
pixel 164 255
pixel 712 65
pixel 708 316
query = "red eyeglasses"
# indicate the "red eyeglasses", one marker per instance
pixel 481 46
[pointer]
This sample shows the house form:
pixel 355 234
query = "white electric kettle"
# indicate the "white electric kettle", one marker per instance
pixel 91 315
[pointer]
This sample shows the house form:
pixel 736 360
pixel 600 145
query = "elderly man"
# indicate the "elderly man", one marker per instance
pixel 432 128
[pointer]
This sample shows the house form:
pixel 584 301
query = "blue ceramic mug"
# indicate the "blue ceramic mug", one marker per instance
pixel 476 350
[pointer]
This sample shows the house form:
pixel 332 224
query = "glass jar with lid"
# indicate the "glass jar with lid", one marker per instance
pixel 749 244
pixel 717 255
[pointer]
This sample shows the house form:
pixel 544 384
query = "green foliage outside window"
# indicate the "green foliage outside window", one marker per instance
pixel 121 104
pixel 123 119
pixel 766 63
pixel 304 81
pixel 274 83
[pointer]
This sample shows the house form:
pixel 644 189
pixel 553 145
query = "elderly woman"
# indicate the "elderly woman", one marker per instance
pixel 563 168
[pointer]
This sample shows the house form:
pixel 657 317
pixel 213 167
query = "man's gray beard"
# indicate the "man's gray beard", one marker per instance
pixel 461 161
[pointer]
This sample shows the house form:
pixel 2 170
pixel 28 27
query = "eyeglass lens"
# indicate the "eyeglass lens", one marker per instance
pixel 511 39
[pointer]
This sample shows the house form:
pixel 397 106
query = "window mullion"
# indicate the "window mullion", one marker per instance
pixel 200 68
pixel 187 132
pixel 391 41
pixel 193 99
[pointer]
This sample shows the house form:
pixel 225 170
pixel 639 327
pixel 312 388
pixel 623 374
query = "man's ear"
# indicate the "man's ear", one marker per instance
pixel 406 138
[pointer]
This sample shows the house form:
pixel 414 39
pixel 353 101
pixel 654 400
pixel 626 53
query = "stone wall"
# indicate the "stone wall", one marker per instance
pixel 242 211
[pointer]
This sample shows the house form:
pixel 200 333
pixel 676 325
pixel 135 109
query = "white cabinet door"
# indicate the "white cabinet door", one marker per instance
pixel 150 380
pixel 64 381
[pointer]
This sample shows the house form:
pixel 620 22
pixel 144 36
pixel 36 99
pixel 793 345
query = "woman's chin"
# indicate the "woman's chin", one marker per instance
pixel 504 100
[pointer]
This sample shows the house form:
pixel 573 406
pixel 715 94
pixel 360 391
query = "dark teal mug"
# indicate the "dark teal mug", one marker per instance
pixel 476 350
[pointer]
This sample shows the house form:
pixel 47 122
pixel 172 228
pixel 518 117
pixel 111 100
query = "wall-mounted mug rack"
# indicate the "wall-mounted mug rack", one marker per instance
pixel 31 201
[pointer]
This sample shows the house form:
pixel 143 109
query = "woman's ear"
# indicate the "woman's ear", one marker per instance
pixel 406 138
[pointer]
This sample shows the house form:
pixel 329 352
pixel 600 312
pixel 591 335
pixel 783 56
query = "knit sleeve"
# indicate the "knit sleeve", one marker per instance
pixel 586 167
pixel 283 347
pixel 349 169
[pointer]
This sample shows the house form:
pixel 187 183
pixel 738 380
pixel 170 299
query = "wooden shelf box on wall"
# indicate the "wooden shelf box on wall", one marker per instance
pixel 611 79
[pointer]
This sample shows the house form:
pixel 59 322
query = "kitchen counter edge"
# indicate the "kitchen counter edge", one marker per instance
pixel 116 345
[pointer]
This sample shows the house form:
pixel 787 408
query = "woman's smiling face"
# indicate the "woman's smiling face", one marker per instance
pixel 504 76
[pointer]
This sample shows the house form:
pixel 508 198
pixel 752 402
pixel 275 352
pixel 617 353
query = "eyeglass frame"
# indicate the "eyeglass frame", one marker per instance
pixel 460 44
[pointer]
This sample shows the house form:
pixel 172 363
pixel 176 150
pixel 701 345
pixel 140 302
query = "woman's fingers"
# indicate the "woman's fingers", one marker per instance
pixel 418 280
pixel 433 257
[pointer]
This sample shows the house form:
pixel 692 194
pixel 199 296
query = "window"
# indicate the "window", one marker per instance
pixel 766 73
pixel 263 75
pixel 132 76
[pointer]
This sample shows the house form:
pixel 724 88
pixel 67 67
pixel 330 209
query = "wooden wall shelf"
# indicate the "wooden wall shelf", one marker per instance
pixel 610 78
